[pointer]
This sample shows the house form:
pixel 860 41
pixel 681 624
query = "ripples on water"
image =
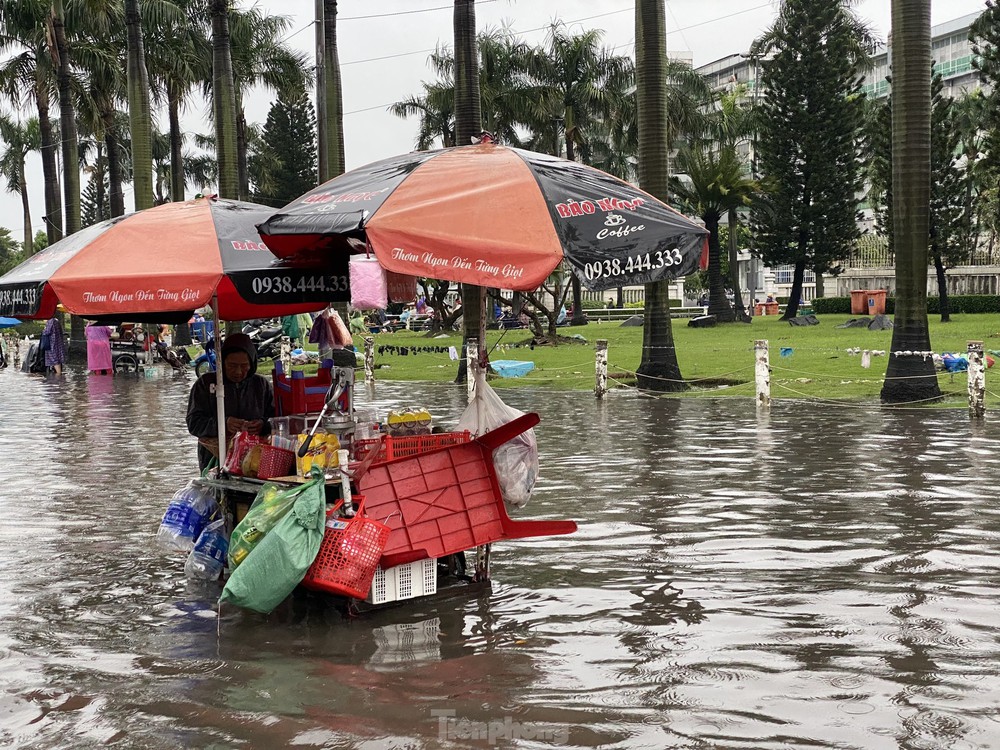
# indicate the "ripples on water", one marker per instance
pixel 823 577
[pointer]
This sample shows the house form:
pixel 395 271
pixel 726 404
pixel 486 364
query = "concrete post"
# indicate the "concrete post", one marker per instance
pixel 977 381
pixel 472 365
pixel 369 361
pixel 286 355
pixel 762 374
pixel 601 367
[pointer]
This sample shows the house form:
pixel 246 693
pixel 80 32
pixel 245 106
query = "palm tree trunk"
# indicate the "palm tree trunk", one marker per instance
pixel 468 125
pixel 117 194
pixel 332 91
pixel 139 116
pixel 176 156
pixel 243 171
pixel 67 123
pixel 718 303
pixel 942 285
pixel 658 369
pixel 25 211
pixel 322 155
pixel 224 101
pixel 578 318
pixel 911 378
pixel 734 267
pixel 50 173
pixel 71 158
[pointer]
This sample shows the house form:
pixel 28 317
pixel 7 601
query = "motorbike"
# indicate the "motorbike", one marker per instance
pixel 205 362
pixel 266 337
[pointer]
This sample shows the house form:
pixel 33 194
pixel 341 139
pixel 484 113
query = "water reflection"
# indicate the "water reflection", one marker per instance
pixel 817 576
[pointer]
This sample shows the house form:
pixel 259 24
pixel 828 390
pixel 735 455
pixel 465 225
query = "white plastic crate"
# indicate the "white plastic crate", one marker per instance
pixel 404 582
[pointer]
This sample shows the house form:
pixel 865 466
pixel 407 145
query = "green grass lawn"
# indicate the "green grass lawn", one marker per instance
pixel 715 361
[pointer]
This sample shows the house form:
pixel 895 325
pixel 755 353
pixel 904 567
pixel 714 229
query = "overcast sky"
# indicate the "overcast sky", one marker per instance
pixel 403 32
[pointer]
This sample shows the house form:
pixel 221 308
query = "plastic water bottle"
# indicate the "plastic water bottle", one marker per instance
pixel 185 517
pixel 208 556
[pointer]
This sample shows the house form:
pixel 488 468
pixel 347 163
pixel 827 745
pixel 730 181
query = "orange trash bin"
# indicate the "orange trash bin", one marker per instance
pixel 875 299
pixel 859 302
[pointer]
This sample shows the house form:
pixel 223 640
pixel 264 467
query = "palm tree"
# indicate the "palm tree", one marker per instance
pixel 27 75
pixel 260 59
pixel 911 378
pixel 333 125
pixel 658 369
pixel 576 82
pixel 468 126
pixel 21 138
pixel 67 120
pixel 224 101
pixel 179 58
pixel 731 124
pixel 716 186
pixel 140 116
pixel 504 92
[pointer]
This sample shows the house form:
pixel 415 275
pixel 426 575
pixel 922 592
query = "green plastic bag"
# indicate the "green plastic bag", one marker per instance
pixel 279 561
pixel 269 507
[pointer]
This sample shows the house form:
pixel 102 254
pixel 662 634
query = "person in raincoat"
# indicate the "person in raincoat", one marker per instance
pixel 290 327
pixel 249 399
pixel 99 348
pixel 55 355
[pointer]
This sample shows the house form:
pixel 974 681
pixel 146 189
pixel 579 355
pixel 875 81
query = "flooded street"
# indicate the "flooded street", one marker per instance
pixel 826 577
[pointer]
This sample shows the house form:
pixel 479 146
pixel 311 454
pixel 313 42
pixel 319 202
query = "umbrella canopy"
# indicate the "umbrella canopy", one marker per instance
pixel 164 262
pixel 493 216
pixel 9 322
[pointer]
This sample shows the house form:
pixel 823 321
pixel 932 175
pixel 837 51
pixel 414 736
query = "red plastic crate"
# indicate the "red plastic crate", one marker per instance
pixel 448 500
pixel 391 447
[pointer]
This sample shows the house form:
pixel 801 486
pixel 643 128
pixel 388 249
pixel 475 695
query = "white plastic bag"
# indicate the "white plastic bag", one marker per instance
pixel 516 461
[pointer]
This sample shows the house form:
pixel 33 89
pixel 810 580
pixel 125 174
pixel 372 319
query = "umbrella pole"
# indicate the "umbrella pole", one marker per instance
pixel 220 393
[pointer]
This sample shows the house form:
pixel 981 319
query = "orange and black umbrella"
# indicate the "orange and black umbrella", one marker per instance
pixel 165 262
pixel 493 216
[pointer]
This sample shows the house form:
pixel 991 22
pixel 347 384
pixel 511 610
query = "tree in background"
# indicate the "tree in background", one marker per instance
pixel 911 378
pixel 715 186
pixel 658 370
pixel 10 251
pixel 809 149
pixel 20 138
pixel 985 36
pixel 289 139
pixel 331 130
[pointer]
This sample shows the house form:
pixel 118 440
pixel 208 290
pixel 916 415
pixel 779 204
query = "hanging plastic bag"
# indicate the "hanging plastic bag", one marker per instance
pixel 185 517
pixel 268 507
pixel 242 443
pixel 516 461
pixel 368 283
pixel 279 561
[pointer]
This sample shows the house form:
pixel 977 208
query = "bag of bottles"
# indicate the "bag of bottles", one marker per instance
pixel 280 561
pixel 186 515
pixel 269 507
pixel 208 556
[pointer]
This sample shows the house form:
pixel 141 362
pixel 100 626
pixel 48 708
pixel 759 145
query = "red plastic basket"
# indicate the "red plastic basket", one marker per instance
pixel 275 462
pixel 348 555
pixel 392 447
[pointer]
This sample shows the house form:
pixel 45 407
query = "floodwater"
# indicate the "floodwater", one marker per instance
pixel 825 577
